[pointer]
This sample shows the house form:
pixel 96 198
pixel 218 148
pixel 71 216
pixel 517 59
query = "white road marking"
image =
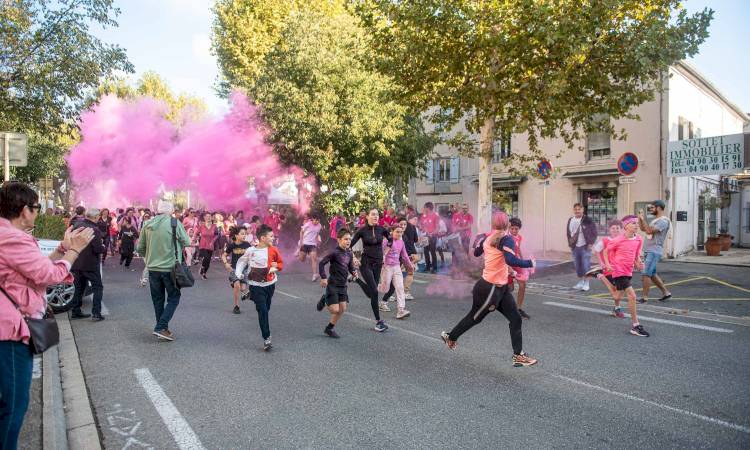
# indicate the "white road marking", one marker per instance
pixel 723 423
pixel 414 333
pixel 643 318
pixel 183 435
pixel 420 281
pixel 288 295
pixel 36 370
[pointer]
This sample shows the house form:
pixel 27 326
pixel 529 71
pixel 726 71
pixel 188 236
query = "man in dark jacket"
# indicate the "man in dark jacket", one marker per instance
pixel 581 233
pixel 87 269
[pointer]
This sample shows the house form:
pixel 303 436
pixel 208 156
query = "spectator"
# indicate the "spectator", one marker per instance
pixel 25 275
pixel 581 234
pixel 462 222
pixel 80 214
pixel 430 224
pixel 87 269
pixel 158 252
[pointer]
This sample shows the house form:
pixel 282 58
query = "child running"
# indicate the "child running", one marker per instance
pixel 309 238
pixel 263 261
pixel 394 253
pixel 342 265
pixel 601 246
pixel 521 273
pixel 127 236
pixel 236 247
pixel 623 253
pixel 491 292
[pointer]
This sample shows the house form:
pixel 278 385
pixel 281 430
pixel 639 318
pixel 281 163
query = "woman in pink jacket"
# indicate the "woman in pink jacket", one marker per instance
pixel 24 276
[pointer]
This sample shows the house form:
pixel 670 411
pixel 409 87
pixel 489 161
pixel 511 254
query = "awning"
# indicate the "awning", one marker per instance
pixel 505 181
pixel 591 173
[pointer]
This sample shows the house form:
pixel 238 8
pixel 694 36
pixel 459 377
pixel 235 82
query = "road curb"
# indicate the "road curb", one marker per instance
pixel 79 417
pixel 53 411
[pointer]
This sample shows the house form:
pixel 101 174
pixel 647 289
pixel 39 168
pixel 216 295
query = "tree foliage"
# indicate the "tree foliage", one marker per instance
pixel 49 60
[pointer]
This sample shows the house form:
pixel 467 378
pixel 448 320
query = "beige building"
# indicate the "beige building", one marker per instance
pixel 689 107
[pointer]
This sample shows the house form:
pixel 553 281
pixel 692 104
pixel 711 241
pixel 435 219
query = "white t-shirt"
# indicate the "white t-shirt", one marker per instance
pixel 574 225
pixel 254 258
pixel 310 233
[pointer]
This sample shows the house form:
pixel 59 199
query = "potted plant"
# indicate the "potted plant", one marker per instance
pixel 726 239
pixel 713 246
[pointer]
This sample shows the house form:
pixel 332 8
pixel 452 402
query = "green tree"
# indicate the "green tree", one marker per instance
pixel 544 68
pixel 49 60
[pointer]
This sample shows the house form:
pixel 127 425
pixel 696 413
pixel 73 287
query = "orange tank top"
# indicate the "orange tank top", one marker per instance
pixel 495 270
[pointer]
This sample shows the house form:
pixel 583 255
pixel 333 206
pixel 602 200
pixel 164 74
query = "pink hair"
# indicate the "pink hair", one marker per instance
pixel 499 221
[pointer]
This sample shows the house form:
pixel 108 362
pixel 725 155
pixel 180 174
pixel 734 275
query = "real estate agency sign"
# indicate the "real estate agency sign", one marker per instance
pixel 718 155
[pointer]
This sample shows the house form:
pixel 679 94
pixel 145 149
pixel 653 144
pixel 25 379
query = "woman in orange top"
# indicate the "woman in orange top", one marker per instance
pixel 491 292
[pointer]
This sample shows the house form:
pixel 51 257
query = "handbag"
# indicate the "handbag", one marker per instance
pixel 43 332
pixel 181 275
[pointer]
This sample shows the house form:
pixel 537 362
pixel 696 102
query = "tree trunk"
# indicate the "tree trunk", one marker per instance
pixel 398 192
pixel 484 194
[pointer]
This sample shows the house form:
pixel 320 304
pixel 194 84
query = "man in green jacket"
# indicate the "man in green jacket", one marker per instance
pixel 156 246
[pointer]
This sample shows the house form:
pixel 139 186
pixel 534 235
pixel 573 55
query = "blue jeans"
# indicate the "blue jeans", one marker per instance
pixel 16 364
pixel 159 282
pixel 262 295
pixel 582 260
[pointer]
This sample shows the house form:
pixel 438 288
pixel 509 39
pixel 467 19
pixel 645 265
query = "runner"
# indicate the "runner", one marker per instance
pixel 601 246
pixel 128 235
pixel 626 253
pixel 236 247
pixel 208 234
pixel 521 274
pixel 657 232
pixel 491 292
pixel 372 235
pixel 394 253
pixel 262 261
pixel 342 265
pixel 410 238
pixel 309 239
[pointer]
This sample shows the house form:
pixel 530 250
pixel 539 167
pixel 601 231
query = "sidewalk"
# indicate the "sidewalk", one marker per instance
pixel 739 257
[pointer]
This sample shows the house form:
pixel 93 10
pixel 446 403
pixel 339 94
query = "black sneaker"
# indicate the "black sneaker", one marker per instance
pixel 523 314
pixel 97 318
pixel 203 275
pixel 79 315
pixel 639 331
pixel 236 310
pixel 331 333
pixel 665 298
pixel 596 270
pixel 245 295
pixel 642 300
pixel 321 303
pixel 381 326
pixel 267 344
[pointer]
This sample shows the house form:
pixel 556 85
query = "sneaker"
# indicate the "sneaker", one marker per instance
pixel 331 333
pixel 585 286
pixel 639 331
pixel 315 277
pixel 578 286
pixel 79 315
pixel 446 338
pixel 245 295
pixel 236 310
pixel 665 298
pixel 321 303
pixel 164 334
pixel 267 344
pixel 384 307
pixel 617 312
pixel 391 299
pixel 523 360
pixel 523 314
pixel 380 326
pixel 642 300
pixel 97 318
pixel 403 314
pixel 595 271
pixel 203 275
pixel 409 296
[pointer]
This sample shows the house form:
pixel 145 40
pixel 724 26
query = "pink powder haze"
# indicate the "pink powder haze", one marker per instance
pixel 129 152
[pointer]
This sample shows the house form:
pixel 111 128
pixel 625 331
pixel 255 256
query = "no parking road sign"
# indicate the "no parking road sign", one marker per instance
pixel 627 164
pixel 544 169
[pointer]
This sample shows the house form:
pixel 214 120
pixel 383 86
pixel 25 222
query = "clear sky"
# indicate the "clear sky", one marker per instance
pixel 172 38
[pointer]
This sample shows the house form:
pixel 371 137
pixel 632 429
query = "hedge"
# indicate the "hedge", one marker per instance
pixel 48 226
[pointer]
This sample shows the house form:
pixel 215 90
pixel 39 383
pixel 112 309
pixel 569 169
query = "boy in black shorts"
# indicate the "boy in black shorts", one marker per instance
pixel 342 266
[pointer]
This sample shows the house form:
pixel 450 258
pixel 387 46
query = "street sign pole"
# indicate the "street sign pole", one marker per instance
pixel 627 193
pixel 544 220
pixel 6 157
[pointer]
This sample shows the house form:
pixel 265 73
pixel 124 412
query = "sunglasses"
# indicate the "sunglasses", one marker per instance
pixel 36 206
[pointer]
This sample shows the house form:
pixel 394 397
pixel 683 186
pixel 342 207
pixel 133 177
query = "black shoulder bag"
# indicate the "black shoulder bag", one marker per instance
pixel 44 332
pixel 181 275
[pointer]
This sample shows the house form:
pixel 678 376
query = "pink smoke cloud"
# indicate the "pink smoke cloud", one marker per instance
pixel 129 151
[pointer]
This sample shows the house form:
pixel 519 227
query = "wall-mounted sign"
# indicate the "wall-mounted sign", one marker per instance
pixel 544 169
pixel 627 180
pixel 627 164
pixel 682 216
pixel 706 156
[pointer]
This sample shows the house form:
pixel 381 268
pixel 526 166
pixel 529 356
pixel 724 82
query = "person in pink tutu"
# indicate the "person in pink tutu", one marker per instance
pixel 521 274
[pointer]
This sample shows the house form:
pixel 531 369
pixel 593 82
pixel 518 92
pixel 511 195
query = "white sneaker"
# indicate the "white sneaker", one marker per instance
pixel 579 286
pixel 409 296
pixel 384 307
pixel 392 298
pixel 144 281
pixel 585 286
pixel 403 314
pixel 315 277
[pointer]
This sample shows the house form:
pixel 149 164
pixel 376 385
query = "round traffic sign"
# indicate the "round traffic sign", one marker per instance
pixel 544 169
pixel 627 164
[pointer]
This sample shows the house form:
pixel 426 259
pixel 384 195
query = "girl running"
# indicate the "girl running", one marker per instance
pixel 235 248
pixel 491 292
pixel 104 224
pixel 309 238
pixel 127 236
pixel 521 274
pixel 394 253
pixel 208 234
pixel 372 236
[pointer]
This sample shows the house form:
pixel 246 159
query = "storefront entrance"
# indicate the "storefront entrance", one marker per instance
pixel 601 206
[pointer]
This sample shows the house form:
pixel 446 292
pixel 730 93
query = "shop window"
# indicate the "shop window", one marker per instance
pixel 601 206
pixel 506 199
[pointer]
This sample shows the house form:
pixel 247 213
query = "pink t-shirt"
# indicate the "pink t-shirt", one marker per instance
pixel 622 253
pixel 429 223
pixel 603 246
pixel 310 233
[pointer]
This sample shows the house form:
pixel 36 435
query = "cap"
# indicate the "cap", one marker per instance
pixel 660 204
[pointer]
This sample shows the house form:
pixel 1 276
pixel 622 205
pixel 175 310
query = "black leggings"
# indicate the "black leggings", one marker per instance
pixel 205 256
pixel 430 257
pixel 126 258
pixel 370 270
pixel 489 297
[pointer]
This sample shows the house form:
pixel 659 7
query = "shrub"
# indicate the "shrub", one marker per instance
pixel 49 227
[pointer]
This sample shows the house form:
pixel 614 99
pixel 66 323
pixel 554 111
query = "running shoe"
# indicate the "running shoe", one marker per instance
pixel 267 344
pixel 384 307
pixel 578 286
pixel 585 286
pixel 321 303
pixel 596 270
pixel 447 339
pixel 639 331
pixel 315 277
pixel 391 299
pixel 245 295
pixel 331 333
pixel 144 281
pixel 523 360
pixel 409 296
pixel 380 326
pixel 642 300
pixel 236 310
pixel 617 312
pixel 203 275
pixel 523 314
pixel 665 298
pixel 403 314
pixel 164 334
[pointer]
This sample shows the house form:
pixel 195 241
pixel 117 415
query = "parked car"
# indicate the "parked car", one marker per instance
pixel 59 296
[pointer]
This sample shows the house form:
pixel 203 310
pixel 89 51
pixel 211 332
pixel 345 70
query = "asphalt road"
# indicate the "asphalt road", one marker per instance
pixel 596 386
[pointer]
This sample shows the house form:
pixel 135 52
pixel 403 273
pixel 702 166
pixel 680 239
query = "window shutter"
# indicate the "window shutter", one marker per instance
pixel 454 169
pixel 430 172
pixel 598 141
